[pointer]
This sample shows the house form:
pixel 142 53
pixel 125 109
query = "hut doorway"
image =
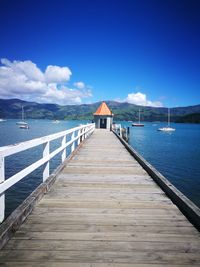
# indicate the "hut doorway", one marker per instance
pixel 103 123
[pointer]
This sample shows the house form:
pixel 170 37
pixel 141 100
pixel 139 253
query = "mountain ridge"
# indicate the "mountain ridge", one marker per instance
pixel 11 109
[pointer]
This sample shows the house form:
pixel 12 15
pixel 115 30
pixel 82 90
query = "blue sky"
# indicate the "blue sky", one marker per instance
pixel 70 51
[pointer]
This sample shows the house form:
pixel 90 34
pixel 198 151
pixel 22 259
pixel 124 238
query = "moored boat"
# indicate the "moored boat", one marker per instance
pixel 167 128
pixel 139 124
pixel 22 124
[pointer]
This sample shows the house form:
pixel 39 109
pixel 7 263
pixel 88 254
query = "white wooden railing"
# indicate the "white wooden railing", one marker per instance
pixel 117 128
pixel 78 134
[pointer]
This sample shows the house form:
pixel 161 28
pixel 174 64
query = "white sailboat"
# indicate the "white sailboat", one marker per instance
pixel 55 121
pixel 22 124
pixel 139 124
pixel 167 128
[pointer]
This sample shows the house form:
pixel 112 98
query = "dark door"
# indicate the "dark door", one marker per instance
pixel 103 123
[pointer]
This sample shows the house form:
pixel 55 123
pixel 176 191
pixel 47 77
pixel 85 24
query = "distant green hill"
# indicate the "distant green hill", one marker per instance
pixel 190 118
pixel 11 108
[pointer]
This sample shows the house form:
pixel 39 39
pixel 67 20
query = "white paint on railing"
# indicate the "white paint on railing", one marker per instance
pixel 2 196
pixel 46 150
pixel 82 131
pixel 73 143
pixel 117 128
pixel 64 153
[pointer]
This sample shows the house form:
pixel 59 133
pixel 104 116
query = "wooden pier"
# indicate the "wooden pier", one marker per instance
pixel 104 210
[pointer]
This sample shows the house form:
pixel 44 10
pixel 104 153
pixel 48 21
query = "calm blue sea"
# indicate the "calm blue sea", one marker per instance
pixel 175 155
pixel 10 133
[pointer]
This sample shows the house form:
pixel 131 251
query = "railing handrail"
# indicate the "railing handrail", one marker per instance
pixel 18 147
pixel 83 132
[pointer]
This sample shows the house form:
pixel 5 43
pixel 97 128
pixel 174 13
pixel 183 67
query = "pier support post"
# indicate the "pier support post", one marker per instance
pixel 2 196
pixel 46 168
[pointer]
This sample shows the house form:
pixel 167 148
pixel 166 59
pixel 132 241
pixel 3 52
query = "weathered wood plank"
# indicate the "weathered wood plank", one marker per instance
pixel 101 256
pixel 112 179
pixel 107 221
pixel 163 229
pixel 107 236
pixel 108 191
pixel 89 264
pixel 116 211
pixel 111 196
pixel 110 170
pixel 94 185
pixel 66 245
pixel 107 204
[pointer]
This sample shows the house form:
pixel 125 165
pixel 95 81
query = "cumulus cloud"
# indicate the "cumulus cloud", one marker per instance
pixel 23 79
pixel 63 96
pixel 57 74
pixel 24 68
pixel 79 85
pixel 141 99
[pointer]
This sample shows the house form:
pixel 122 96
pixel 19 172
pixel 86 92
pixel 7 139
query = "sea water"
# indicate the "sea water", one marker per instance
pixel 10 133
pixel 176 155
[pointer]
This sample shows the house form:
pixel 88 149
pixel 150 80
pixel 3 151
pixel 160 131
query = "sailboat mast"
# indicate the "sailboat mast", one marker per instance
pixel 22 113
pixel 139 116
pixel 168 117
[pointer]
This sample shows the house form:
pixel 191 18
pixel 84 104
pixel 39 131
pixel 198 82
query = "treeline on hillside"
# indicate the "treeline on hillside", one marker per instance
pixel 190 118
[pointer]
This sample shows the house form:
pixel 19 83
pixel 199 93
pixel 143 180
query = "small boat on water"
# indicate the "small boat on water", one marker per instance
pixel 56 121
pixel 22 124
pixel 139 124
pixel 2 120
pixel 167 128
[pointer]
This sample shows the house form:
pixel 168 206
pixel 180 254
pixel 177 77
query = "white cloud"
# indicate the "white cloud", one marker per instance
pixel 24 68
pixel 79 85
pixel 57 74
pixel 141 99
pixel 23 79
pixel 63 96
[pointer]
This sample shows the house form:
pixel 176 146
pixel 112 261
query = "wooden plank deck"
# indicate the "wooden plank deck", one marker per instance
pixel 104 210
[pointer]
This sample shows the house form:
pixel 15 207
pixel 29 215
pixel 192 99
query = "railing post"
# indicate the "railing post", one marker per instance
pixel 84 133
pixel 2 196
pixel 79 139
pixel 64 151
pixel 87 131
pixel 120 130
pixel 46 168
pixel 73 144
pixel 81 134
pixel 91 129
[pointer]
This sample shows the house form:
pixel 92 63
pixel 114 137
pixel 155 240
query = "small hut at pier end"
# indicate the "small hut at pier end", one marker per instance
pixel 103 117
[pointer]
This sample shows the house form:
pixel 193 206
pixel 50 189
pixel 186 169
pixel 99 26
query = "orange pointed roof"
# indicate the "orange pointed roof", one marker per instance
pixel 103 109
